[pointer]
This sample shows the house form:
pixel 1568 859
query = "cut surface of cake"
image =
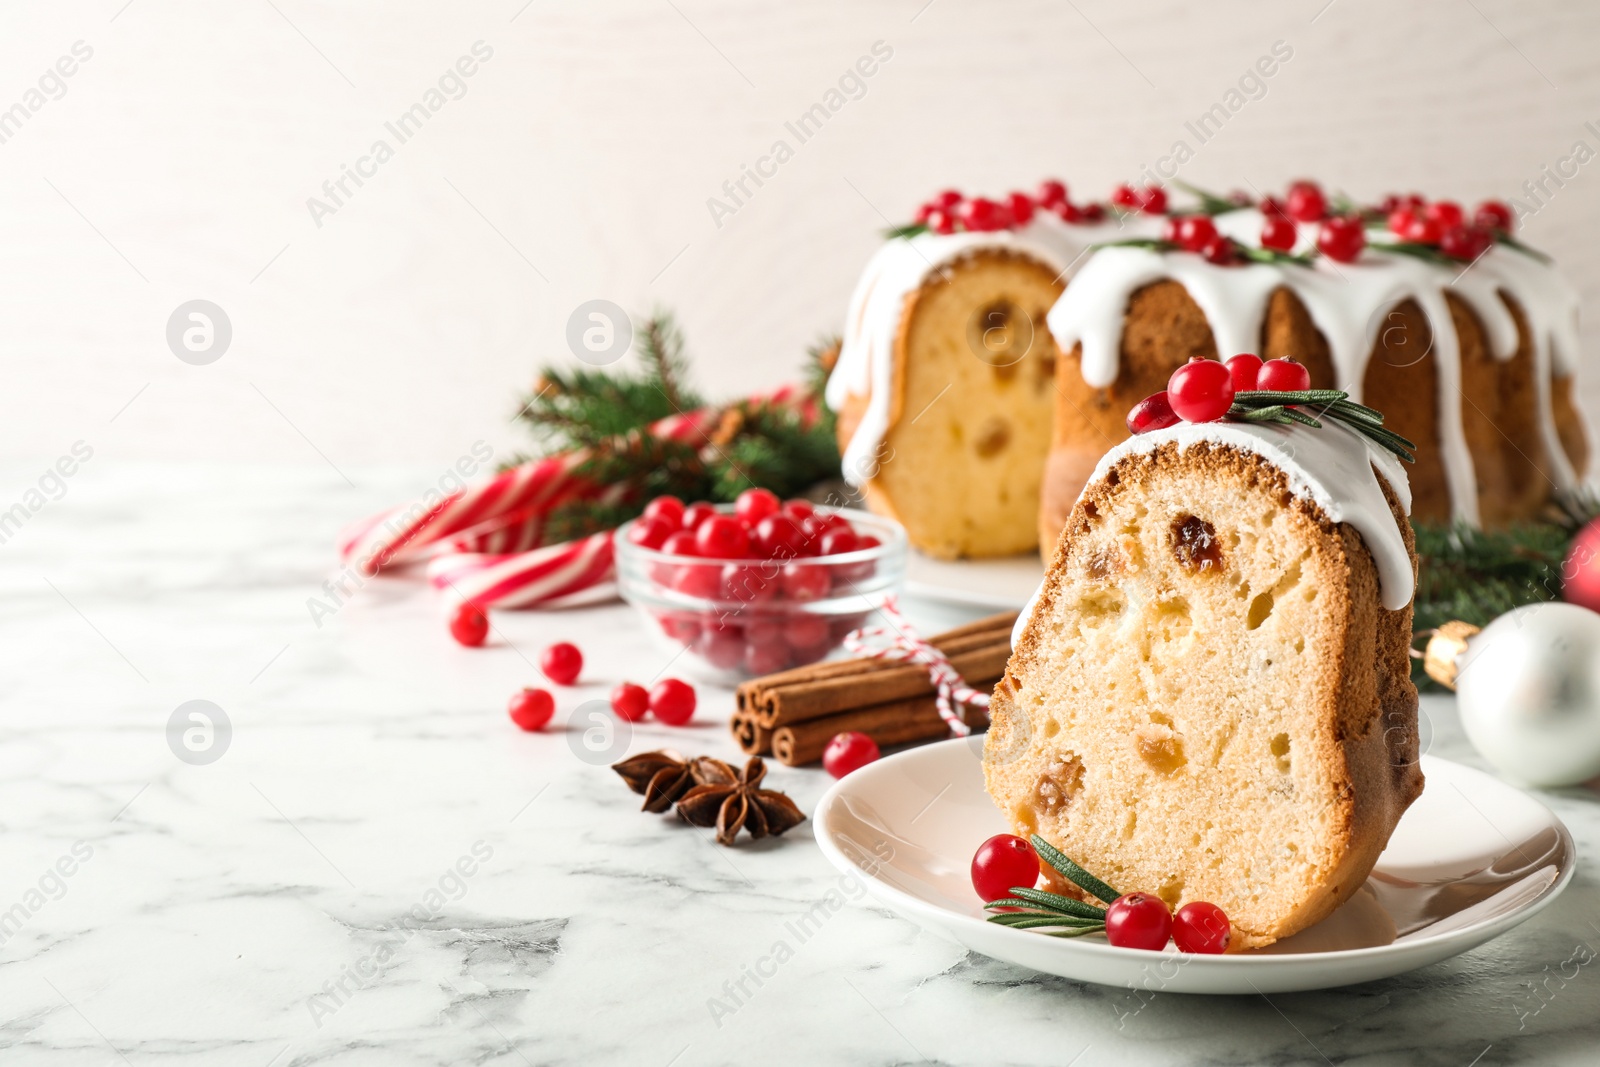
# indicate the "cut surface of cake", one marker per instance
pixel 1210 697
pixel 945 382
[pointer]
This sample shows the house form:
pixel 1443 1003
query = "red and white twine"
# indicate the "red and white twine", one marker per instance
pixel 900 641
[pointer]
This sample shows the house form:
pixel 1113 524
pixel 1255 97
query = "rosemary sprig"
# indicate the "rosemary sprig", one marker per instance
pixel 1272 255
pixel 1426 253
pixel 1262 405
pixel 1210 203
pixel 1154 244
pixel 1052 914
pixel 1511 242
pixel 909 230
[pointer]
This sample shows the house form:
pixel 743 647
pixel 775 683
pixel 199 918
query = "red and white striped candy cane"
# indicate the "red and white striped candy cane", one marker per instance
pixel 900 640
pixel 518 496
pixel 568 573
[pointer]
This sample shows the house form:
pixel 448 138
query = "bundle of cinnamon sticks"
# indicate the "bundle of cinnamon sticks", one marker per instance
pixel 793 714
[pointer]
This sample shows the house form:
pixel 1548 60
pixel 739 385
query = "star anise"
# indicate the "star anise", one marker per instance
pixel 729 801
pixel 664 776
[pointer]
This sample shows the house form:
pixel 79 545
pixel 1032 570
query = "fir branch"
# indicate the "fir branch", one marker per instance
pixel 661 352
pixel 821 358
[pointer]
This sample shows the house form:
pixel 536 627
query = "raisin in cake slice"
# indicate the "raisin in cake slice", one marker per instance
pixel 1210 698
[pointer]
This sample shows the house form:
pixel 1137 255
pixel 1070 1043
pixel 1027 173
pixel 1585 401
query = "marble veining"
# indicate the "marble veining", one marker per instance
pixel 379 870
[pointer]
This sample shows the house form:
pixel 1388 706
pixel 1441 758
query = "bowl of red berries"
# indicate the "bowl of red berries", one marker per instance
pixel 760 585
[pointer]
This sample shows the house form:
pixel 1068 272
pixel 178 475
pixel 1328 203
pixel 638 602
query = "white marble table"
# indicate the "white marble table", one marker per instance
pixel 379 870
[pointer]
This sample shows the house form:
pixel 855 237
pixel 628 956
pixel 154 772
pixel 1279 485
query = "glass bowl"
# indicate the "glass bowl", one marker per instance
pixel 732 619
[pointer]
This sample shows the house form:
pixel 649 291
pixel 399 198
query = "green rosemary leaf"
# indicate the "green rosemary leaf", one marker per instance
pixel 1152 243
pixel 1097 928
pixel 1296 415
pixel 1029 920
pixel 1271 255
pixel 1295 396
pixel 910 229
pixel 1275 413
pixel 1210 203
pixel 1427 253
pixel 1071 871
pixel 1056 902
pixel 1357 411
pixel 1511 242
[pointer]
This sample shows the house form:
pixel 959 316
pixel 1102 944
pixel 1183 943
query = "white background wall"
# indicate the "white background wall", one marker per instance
pixel 579 162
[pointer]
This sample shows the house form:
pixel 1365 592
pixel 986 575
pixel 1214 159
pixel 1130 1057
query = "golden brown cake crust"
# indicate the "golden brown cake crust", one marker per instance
pixel 1365 742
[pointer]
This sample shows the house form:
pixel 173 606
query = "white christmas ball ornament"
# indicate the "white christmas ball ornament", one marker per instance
pixel 1528 687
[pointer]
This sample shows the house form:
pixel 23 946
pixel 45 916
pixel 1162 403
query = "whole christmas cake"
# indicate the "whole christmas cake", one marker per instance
pixel 1210 696
pixel 1464 335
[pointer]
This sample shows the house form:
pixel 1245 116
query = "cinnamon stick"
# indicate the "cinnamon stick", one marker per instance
pixel 894 723
pixel 978 650
pixel 753 738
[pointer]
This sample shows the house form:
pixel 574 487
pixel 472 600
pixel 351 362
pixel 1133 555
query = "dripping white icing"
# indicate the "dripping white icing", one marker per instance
pixel 1350 304
pixel 898 269
pixel 1332 467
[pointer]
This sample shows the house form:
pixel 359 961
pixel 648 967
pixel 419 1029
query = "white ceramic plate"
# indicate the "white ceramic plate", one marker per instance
pixel 1472 858
pixel 998 584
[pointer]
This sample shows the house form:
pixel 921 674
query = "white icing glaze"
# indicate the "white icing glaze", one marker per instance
pixel 900 267
pixel 1333 467
pixel 1350 305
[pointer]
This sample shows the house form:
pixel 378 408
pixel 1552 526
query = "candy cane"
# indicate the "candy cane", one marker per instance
pixel 518 496
pixel 901 641
pixel 571 572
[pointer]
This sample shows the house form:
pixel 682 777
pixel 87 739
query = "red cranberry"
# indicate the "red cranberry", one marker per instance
pixel 749 582
pixel 1420 230
pixel 948 199
pixel 798 510
pixel 765 659
pixel 1201 928
pixel 941 221
pixel 1126 197
pixel 779 537
pixel 1305 202
pixel 468 624
pixel 532 708
pixel 1465 242
pixel 669 509
pixel 764 630
pixel 1020 207
pixel 1092 212
pixel 805 631
pixel 650 531
pixel 1002 863
pixel 754 505
pixel 722 537
pixel 702 581
pixel 924 211
pixel 723 649
pixel 680 544
pixel 799 657
pixel 1446 213
pixel 1273 208
pixel 695 514
pixel 1283 376
pixel 1245 369
pixel 1191 232
pixel 1154 412
pixel 838 541
pixel 1139 920
pixel 1494 215
pixel 847 573
pixel 1277 233
pixel 681 626
pixel 805 581
pixel 849 751
pixel 672 701
pixel 1219 250
pixel 983 215
pixel 630 701
pixel 1051 193
pixel 1342 238
pixel 1201 390
pixel 1154 200
pixel 561 662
